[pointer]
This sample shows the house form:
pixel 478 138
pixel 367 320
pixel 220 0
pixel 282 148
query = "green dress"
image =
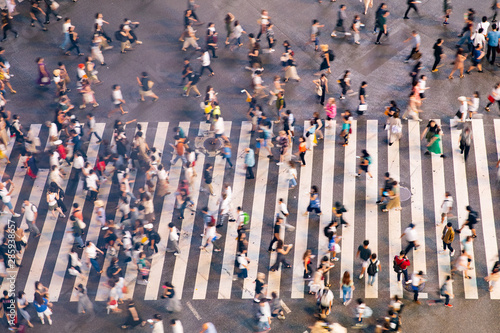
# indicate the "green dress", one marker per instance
pixel 436 145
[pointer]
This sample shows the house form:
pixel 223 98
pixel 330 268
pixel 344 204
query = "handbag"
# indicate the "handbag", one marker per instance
pixel 491 99
pixel 362 107
pixel 81 224
pixel 54 5
pixel 319 90
pixel 45 79
pixel 417 55
pixel 459 114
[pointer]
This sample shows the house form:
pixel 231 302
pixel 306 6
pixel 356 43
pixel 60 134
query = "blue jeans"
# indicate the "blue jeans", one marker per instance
pixel 371 279
pixel 96 135
pixel 78 239
pixel 182 157
pixel 292 182
pixel 95 264
pixel 65 41
pixel 346 291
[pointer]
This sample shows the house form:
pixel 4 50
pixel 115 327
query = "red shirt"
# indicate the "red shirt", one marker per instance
pixel 402 263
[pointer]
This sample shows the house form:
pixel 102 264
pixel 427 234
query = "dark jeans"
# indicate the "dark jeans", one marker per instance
pixel 229 161
pixel 437 60
pixel 212 48
pixel 491 54
pixel 405 273
pixel 411 6
pixel 445 245
pixel 274 240
pixel 465 150
pixel 413 51
pixel 74 46
pixel 409 247
pixel 302 157
pixel 96 135
pixel 208 68
pixel 249 173
pixel 7 28
pixel 49 11
pixel 380 33
pixel 415 294
pixel 446 299
pixel 39 20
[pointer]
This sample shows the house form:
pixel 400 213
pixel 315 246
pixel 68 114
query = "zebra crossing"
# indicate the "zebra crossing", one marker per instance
pixel 202 274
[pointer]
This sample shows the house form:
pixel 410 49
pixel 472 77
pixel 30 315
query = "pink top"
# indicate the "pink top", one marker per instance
pixel 331 110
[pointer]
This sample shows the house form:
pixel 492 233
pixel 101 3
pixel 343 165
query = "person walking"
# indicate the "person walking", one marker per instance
pixel 249 163
pixel 321 88
pixel 461 265
pixel 264 316
pixel 22 304
pixel 492 37
pixel 472 219
pixel 412 4
pixel 401 264
pixel 91 252
pixel 493 97
pixel 146 85
pixel 84 303
pixel 356 26
pixel 173 239
pixel 30 212
pixel 417 284
pixel 394 198
pixel 282 251
pixel 373 268
pixel 364 254
pixel 434 145
pixel 493 277
pixel 292 174
pixel 446 207
pixel 205 62
pixel 465 141
pixel 448 237
pixel 345 84
pixel 460 57
pixel 446 292
pixel 367 4
pixel 346 126
pixel 276 233
pixel 314 202
pixel 315 34
pixel 347 285
pixel 477 57
pixel 438 54
pixel 395 128
pixel 7 25
pixel 410 235
pixel 36 14
pixel 74 40
pixel 43 308
pixel 364 163
pixel 207 177
pixel 341 17
pixel 381 22
pixel 415 50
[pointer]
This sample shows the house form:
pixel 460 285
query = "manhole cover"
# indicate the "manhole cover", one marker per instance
pixel 404 194
pixel 208 144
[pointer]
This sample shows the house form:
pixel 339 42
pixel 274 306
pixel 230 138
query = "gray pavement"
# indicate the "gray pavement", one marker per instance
pixel 381 66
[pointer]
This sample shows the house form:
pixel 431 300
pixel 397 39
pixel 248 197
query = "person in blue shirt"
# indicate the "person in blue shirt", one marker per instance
pixel 477 57
pixel 249 163
pixel 492 37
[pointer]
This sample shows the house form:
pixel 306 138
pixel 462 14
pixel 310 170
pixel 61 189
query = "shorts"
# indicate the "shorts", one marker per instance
pixel 317 210
pixel 471 226
pixel 9 205
pixel 218 135
pixel 264 326
pixel 328 118
pixel 117 105
pixel 422 95
pixel 282 150
pixel 364 263
pixel 53 207
pixel 364 168
pixel 148 93
pixel 475 62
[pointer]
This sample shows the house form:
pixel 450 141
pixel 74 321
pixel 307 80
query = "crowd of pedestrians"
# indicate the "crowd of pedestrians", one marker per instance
pixel 133 228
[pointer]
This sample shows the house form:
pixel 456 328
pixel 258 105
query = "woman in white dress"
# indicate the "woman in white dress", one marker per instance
pixel 162 181
pixel 394 127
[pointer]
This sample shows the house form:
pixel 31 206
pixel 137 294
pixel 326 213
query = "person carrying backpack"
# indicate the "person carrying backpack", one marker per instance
pixel 400 266
pixel 364 163
pixel 325 300
pixel 470 222
pixel 373 268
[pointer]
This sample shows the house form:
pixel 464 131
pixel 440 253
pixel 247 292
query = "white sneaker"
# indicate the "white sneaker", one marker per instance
pixel 50 321
pixel 361 276
pixel 333 34
pixel 453 253
pixel 16 215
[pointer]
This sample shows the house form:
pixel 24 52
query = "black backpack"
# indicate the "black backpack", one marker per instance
pixel 119 36
pixel 396 267
pixel 372 268
pixel 331 56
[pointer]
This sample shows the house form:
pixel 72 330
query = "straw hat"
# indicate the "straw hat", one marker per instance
pixel 324 47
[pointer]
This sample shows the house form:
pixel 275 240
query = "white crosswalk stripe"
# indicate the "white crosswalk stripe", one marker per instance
pixel 405 161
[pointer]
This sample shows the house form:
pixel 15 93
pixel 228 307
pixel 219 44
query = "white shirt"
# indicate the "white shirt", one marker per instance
pixel 91 251
pixel 265 311
pixel 475 105
pixel 54 159
pixel 205 59
pixel 162 175
pixel 415 279
pixel 422 83
pixel 238 30
pixel 243 261
pixel 326 299
pixel 479 39
pixel 29 211
pixel 219 126
pixel 484 25
pixel 177 327
pixel 52 199
pixel 98 21
pixel 92 181
pixel 497 93
pixel 447 204
pixel 53 130
pixel 173 234
pixel 117 96
pixel 5 195
pixel 292 173
pixel 78 162
pixel 411 234
pixel 65 27
pixel 158 327
pixel 283 208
